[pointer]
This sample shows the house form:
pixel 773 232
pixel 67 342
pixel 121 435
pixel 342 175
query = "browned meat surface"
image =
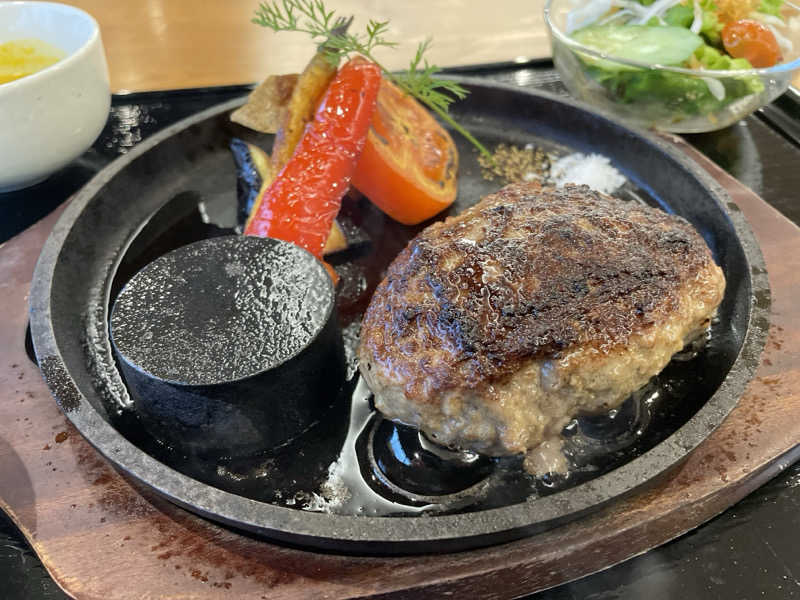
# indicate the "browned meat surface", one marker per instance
pixel 494 328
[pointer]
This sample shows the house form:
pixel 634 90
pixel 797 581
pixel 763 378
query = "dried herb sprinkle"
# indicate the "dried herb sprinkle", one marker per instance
pixel 512 164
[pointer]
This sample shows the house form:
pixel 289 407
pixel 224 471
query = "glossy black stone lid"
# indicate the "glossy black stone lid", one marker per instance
pixel 221 309
pixel 228 346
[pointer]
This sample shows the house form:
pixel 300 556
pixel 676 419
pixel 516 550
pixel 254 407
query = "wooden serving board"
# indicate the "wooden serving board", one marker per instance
pixel 101 536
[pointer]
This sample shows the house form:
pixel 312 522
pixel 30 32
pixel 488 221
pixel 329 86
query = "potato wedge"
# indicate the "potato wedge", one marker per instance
pixel 267 104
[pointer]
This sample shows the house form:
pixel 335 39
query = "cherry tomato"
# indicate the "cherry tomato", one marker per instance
pixel 753 41
pixel 303 200
pixel 409 163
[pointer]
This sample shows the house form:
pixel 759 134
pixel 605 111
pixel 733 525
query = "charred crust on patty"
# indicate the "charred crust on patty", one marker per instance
pixel 527 273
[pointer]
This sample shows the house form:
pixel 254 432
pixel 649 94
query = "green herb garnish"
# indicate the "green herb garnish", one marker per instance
pixel 419 80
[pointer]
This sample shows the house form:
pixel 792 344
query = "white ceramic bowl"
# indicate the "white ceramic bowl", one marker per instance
pixel 49 118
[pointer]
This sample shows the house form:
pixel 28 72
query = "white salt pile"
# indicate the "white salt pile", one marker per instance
pixel 594 170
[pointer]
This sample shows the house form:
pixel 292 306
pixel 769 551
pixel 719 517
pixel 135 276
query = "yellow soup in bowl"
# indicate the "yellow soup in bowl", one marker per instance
pixel 19 58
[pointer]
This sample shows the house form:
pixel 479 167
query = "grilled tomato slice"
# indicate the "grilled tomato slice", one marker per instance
pixel 409 163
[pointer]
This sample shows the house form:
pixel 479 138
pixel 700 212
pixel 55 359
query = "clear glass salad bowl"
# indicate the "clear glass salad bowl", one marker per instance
pixel 676 99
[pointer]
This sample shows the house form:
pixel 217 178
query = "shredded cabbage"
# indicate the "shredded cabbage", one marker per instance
pixel 710 27
pixel 657 9
pixel 767 19
pixel 614 16
pixel 784 42
pixel 587 14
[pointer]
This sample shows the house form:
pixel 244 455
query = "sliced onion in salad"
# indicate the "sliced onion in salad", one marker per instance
pixel 784 42
pixel 715 87
pixel 767 19
pixel 697 24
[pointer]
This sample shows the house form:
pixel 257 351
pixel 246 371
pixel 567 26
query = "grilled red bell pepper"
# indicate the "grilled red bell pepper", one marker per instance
pixel 303 200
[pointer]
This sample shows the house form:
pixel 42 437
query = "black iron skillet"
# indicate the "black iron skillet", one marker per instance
pixel 107 232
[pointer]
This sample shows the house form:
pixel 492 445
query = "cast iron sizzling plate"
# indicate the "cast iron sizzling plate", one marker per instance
pixel 81 269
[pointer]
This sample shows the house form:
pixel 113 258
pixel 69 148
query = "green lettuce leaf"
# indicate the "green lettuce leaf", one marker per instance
pixel 771 7
pixel 683 94
pixel 679 15
pixel 713 59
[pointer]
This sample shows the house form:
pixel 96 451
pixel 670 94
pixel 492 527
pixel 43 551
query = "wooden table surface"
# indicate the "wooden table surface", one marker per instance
pixel 172 44
pixel 176 44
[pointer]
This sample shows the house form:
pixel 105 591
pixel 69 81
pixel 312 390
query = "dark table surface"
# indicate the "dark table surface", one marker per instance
pixel 750 551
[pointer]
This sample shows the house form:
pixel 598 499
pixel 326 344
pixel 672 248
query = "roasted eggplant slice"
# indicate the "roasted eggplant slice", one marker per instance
pixel 346 233
pixel 253 171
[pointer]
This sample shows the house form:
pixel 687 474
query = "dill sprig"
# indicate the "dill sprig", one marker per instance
pixel 419 80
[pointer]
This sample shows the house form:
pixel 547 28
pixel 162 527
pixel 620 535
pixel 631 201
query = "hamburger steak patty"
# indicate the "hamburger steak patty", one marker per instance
pixel 494 328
